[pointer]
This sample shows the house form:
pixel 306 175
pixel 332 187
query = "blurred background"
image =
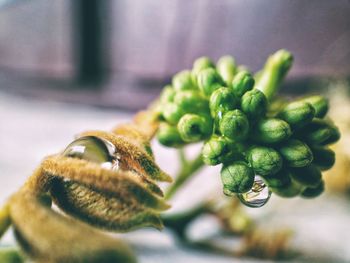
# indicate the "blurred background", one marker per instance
pixel 120 53
pixel 71 65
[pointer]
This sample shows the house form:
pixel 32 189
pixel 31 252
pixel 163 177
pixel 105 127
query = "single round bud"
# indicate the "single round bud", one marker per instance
pixel 222 100
pixel 242 82
pixel 183 81
pixel 296 153
pixel 169 136
pixel 292 189
pixel 219 150
pixel 200 64
pixel 193 127
pixel 254 104
pixel 167 95
pixel 226 67
pixel 264 160
pixel 208 81
pixel 319 132
pixel 278 180
pixel 172 113
pixel 319 103
pixel 309 176
pixel 310 192
pixel 297 114
pixel 237 178
pixel 324 158
pixel 335 135
pixel 191 101
pixel 234 125
pixel 271 131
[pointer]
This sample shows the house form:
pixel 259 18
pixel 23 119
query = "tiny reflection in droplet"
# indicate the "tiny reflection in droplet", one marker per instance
pixel 257 196
pixel 94 149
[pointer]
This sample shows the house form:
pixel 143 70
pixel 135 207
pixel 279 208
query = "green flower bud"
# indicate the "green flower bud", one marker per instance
pixel 324 158
pixel 241 68
pixel 278 180
pixel 200 64
pixel 242 83
pixel 226 67
pixel 297 114
pixel 271 130
pixel 276 67
pixel 209 81
pixel 168 135
pixel 254 104
pixel 296 153
pixel 258 75
pixel 191 101
pixel 290 190
pixel 309 176
pixel 234 125
pixel 193 127
pixel 335 136
pixel 237 178
pixel 220 150
pixel 264 160
pixel 222 100
pixel 167 95
pixel 183 81
pixel 319 132
pixel 319 103
pixel 172 113
pixel 310 192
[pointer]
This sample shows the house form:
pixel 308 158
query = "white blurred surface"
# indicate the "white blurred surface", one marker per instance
pixel 31 129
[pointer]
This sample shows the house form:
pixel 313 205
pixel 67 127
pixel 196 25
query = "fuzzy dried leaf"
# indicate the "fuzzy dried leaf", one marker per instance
pixel 133 156
pixel 117 213
pixel 49 237
pixel 148 122
pixel 134 133
pixel 115 183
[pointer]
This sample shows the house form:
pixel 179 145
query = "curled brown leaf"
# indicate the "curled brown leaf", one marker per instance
pixel 131 154
pixel 47 236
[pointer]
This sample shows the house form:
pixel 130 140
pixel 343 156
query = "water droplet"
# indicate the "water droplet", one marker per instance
pixel 94 149
pixel 258 196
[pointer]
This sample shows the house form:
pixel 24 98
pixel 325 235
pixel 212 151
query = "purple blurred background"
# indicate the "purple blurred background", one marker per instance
pixel 135 46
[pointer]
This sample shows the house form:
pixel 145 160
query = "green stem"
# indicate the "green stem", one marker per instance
pixel 188 169
pixel 182 157
pixel 11 255
pixel 5 220
pixel 178 222
pixel 275 69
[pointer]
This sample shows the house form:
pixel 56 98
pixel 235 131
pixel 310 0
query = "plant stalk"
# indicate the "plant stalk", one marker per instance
pixel 271 76
pixel 187 170
pixel 5 220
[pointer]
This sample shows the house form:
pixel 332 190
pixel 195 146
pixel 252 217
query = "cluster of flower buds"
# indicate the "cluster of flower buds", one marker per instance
pixel 235 115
